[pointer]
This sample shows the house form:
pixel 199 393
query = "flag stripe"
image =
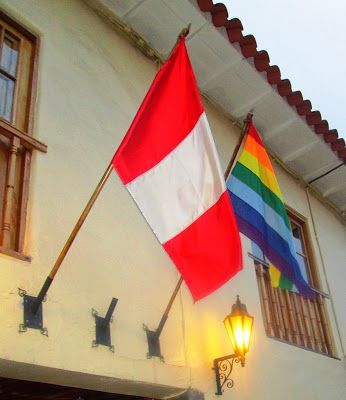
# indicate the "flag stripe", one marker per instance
pixel 275 275
pixel 203 252
pixel 250 231
pixel 252 180
pixel 254 134
pixel 271 217
pixel 167 115
pixel 252 147
pixel 285 283
pixel 265 175
pixel 186 183
pixel 278 280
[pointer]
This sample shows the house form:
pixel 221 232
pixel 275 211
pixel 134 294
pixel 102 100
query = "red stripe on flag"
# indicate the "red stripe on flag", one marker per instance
pixel 253 133
pixel 167 115
pixel 208 252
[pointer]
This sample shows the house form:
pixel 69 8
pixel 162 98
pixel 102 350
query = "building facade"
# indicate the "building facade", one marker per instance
pixel 73 74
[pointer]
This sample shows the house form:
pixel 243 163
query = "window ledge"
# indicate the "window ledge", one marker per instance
pixel 303 347
pixel 28 141
pixel 15 254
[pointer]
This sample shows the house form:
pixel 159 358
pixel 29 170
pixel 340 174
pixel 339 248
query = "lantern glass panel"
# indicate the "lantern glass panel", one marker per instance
pixel 237 329
pixel 228 326
pixel 247 327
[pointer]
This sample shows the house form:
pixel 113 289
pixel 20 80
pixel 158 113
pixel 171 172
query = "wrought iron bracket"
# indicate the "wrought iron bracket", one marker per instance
pixel 153 339
pixel 223 368
pixel 102 326
pixel 31 319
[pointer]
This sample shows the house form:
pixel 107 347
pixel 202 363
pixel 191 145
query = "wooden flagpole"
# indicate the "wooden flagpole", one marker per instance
pixel 82 218
pixel 71 238
pixel 244 131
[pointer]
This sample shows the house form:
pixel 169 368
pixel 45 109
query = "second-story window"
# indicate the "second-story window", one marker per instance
pixel 8 72
pixel 17 88
pixel 287 315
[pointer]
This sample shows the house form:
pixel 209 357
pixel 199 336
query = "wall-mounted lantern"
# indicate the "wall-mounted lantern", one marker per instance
pixel 239 326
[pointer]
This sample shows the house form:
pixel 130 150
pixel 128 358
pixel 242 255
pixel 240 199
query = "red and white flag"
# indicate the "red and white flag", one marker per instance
pixel 169 164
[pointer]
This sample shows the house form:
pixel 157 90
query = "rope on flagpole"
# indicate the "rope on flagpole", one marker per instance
pixel 243 133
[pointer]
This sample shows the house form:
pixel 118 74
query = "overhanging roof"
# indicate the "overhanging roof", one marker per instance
pixel 238 78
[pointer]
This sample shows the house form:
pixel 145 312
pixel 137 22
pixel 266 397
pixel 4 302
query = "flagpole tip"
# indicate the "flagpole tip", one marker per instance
pixel 249 116
pixel 185 31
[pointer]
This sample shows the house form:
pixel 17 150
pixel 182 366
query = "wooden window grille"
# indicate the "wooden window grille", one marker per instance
pixel 289 316
pixel 18 65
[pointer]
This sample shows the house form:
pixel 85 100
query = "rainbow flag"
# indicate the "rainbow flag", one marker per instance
pixel 260 211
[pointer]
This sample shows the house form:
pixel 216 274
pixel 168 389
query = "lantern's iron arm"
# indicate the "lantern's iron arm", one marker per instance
pixel 223 367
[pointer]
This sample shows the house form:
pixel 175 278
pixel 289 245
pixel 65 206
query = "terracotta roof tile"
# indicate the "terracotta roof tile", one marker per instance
pixel 331 136
pixel 273 74
pixel 261 61
pixel 284 87
pixel 304 107
pixel 248 46
pixel 295 98
pixel 338 145
pixel 322 128
pixel 313 118
pixel 342 154
pixel 234 30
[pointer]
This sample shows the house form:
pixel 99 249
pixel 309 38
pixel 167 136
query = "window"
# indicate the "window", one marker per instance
pixel 287 315
pixel 17 89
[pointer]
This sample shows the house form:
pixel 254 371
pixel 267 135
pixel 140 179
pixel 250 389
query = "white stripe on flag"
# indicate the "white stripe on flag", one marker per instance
pixel 182 186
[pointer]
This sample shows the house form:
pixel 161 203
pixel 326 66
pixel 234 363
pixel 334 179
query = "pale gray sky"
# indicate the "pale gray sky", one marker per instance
pixel 307 40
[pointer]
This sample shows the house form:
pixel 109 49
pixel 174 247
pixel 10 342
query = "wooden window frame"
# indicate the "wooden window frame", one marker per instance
pixel 300 220
pixel 290 317
pixel 21 140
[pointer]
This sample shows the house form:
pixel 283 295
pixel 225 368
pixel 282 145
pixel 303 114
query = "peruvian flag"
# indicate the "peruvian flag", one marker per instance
pixel 168 162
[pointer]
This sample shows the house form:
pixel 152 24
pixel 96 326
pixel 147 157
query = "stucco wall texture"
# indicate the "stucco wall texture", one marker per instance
pixel 91 82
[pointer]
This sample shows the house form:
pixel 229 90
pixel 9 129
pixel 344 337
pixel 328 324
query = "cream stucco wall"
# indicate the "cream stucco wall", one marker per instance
pixel 91 81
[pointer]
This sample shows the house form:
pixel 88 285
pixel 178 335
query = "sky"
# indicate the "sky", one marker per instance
pixel 306 39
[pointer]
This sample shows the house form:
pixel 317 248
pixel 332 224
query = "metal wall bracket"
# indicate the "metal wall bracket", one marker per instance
pixel 102 326
pixel 223 368
pixel 31 319
pixel 153 339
